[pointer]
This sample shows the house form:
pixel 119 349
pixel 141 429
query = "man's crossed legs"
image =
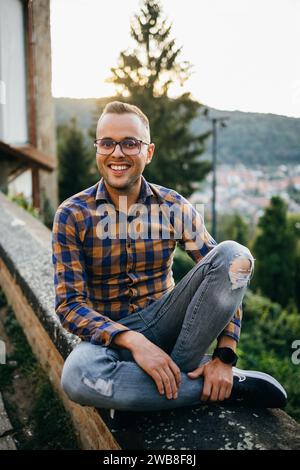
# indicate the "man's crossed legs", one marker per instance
pixel 184 323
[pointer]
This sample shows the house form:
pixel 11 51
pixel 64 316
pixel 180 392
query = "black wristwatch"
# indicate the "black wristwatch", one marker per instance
pixel 226 355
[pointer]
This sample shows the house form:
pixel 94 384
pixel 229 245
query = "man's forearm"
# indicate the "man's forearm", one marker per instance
pixel 227 342
pixel 128 339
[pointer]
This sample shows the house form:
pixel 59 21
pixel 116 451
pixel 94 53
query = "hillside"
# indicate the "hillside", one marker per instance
pixel 249 138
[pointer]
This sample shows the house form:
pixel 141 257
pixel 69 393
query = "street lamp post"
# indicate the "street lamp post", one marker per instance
pixel 215 122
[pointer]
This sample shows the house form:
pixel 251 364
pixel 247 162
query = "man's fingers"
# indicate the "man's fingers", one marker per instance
pixel 196 373
pixel 214 392
pixel 166 383
pixel 173 381
pixel 222 392
pixel 228 391
pixel 206 390
pixel 158 381
pixel 176 371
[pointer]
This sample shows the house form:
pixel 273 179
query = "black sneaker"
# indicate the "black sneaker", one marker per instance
pixel 256 389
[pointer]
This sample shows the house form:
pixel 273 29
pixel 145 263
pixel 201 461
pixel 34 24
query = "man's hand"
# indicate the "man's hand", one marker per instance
pixel 156 362
pixel 218 380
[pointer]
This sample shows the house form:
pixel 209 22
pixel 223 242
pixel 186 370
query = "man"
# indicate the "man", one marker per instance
pixel 143 339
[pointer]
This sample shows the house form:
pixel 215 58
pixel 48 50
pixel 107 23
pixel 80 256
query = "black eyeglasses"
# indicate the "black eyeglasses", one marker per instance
pixel 129 147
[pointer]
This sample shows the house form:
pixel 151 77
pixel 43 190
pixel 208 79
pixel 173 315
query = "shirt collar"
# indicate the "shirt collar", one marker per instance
pixel 145 191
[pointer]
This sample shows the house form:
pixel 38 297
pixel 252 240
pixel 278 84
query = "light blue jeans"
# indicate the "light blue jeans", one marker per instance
pixel 183 322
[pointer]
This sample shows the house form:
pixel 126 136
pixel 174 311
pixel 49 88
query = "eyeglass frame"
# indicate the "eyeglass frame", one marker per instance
pixel 119 143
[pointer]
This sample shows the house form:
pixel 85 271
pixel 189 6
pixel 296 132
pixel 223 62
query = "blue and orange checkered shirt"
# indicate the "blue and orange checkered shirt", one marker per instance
pixel 99 279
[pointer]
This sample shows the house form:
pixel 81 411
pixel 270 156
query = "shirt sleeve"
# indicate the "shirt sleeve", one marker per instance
pixel 197 242
pixel 71 300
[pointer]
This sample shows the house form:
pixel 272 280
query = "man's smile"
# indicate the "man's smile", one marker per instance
pixel 118 169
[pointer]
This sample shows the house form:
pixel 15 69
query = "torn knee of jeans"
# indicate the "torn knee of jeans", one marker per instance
pixel 240 270
pixel 102 386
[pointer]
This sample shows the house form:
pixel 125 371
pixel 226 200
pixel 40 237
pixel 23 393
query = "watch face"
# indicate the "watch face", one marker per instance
pixel 227 355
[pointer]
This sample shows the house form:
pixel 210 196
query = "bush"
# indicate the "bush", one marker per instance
pixel 268 332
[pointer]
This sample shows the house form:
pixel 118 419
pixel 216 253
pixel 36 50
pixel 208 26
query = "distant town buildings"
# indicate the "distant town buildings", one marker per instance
pixel 249 190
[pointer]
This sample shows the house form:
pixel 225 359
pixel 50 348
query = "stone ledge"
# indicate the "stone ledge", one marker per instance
pixel 25 248
pixel 7 443
pixel 6 440
pixel 25 252
pixel 208 427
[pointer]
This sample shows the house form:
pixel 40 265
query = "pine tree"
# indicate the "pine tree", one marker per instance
pixel 275 250
pixel 77 169
pixel 144 77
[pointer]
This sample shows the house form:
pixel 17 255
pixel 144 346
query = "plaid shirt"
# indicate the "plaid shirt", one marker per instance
pixel 99 280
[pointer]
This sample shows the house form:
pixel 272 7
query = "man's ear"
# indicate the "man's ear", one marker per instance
pixel 150 153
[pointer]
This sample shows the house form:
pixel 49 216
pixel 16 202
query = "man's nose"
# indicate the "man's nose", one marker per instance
pixel 118 151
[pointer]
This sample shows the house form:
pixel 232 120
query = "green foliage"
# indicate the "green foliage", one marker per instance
pixel 233 227
pixel 22 351
pixel 77 168
pixel 153 66
pixel 182 264
pixel 258 139
pixel 144 77
pixel 294 225
pixel 50 425
pixel 253 139
pixel 268 332
pixel 48 211
pixel 45 214
pixel 275 253
pixel 52 428
pixel 22 201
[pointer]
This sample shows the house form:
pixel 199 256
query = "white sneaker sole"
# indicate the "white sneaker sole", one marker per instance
pixel 259 375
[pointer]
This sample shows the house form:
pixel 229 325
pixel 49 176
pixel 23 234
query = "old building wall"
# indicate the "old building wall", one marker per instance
pixel 44 103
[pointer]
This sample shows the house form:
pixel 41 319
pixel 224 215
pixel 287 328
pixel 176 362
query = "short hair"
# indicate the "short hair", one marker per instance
pixel 118 107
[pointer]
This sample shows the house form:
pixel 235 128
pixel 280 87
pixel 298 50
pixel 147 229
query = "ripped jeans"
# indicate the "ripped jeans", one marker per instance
pixel 183 322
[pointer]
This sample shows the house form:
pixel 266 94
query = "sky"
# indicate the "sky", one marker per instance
pixel 245 53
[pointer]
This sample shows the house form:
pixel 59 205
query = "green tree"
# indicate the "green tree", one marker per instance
pixel 182 264
pixel 268 333
pixel 275 252
pixel 144 77
pixel 48 211
pixel 294 224
pixel 76 167
pixel 233 227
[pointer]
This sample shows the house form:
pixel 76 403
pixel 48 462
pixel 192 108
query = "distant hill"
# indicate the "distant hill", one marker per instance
pixel 249 138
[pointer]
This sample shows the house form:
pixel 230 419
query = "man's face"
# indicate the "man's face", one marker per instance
pixel 117 127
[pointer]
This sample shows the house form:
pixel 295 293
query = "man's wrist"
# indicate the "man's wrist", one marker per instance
pixel 127 339
pixel 226 341
pixel 226 355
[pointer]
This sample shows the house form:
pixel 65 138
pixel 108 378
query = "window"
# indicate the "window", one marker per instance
pixel 13 108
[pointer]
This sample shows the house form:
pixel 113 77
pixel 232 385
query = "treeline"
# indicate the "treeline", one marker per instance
pixel 249 138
